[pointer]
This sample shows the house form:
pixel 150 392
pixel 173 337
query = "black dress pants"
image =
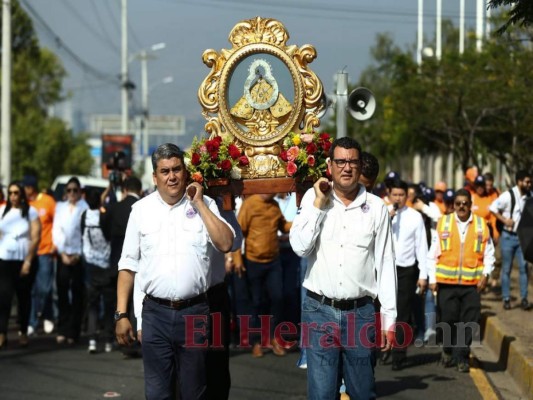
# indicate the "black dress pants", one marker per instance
pixel 9 276
pixel 70 298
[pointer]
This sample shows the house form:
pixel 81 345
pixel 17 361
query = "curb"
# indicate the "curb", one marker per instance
pixel 510 353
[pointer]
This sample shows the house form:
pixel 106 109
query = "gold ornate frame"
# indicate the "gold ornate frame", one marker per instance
pixel 255 37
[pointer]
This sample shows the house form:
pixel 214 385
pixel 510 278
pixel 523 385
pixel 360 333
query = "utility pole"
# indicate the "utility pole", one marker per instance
pixel 461 26
pixel 438 31
pixel 124 74
pixel 420 38
pixel 341 103
pixel 5 143
pixel 479 25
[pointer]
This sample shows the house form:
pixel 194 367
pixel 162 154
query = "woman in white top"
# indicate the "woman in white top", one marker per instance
pixel 20 230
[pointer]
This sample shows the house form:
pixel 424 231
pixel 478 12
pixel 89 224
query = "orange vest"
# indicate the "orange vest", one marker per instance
pixel 461 263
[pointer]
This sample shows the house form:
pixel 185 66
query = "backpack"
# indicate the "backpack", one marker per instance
pixel 97 241
pixel 499 224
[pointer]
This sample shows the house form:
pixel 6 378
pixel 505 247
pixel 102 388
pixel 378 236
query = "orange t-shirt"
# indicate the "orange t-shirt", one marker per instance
pixel 480 206
pixel 45 206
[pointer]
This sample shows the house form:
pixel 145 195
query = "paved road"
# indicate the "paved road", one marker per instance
pixel 46 370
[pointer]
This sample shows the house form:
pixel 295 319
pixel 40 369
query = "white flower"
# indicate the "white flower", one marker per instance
pixel 235 173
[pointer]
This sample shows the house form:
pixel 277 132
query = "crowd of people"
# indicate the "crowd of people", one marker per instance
pixel 354 274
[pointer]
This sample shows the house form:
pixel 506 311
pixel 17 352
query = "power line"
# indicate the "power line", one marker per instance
pixel 61 45
pixel 103 27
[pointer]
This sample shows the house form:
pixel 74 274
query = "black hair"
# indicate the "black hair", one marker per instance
pixel 92 197
pixel 398 184
pixel 132 184
pixel 369 165
pixel 521 175
pixel 24 206
pixel 488 176
pixel 165 152
pixel 346 143
pixel 463 192
pixel 74 180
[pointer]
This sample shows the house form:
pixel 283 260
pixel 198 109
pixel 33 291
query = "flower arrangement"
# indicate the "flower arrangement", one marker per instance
pixel 306 154
pixel 214 158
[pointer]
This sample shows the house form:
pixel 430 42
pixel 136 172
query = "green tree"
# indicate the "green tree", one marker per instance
pixel 39 144
pixel 521 13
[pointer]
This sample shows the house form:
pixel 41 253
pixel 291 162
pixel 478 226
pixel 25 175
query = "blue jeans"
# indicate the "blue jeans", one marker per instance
pixel 42 300
pixel 333 336
pixel 510 247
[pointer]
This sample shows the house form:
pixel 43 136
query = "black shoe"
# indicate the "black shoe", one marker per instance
pixel 462 366
pixel 525 304
pixel 507 304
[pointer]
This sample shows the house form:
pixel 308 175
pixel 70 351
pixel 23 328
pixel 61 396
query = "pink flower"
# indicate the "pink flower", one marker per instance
pixel 203 149
pixel 307 137
pixel 291 168
pixel 311 161
pixel 197 177
pixel 292 153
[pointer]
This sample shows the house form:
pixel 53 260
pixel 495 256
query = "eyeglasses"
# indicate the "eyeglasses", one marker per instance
pixel 13 192
pixel 462 203
pixel 339 162
pixel 72 190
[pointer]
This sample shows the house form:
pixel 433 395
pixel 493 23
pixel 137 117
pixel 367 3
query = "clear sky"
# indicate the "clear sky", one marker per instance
pixel 342 31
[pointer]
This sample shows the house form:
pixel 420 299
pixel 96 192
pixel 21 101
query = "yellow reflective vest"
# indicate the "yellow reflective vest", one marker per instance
pixel 461 263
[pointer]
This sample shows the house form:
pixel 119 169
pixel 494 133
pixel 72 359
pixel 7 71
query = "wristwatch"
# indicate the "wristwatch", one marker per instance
pixel 119 315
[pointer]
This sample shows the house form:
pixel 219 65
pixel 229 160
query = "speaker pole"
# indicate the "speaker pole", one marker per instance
pixel 341 103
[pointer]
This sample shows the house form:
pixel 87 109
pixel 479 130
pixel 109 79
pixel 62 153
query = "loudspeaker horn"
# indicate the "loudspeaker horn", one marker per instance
pixel 361 104
pixel 326 101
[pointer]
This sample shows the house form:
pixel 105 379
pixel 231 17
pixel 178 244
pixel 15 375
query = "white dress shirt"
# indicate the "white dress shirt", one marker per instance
pixel 410 240
pixel 217 271
pixel 349 248
pixel 503 205
pixel 435 251
pixel 15 233
pixel 66 230
pixel 168 247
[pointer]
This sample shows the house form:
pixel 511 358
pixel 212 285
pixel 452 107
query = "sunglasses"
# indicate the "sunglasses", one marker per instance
pixel 72 190
pixel 462 203
pixel 13 192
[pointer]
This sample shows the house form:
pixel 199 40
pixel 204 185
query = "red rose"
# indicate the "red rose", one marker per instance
pixel 326 146
pixel 234 151
pixel 324 137
pixel 243 161
pixel 291 168
pixel 283 155
pixel 212 145
pixel 218 139
pixel 225 165
pixel 214 155
pixel 311 161
pixel 311 148
pixel 195 159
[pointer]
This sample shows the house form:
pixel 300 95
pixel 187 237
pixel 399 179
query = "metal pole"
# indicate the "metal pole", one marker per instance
pixel 479 25
pixel 5 153
pixel 124 88
pixel 342 102
pixel 420 41
pixel 461 27
pixel 438 33
pixel 487 21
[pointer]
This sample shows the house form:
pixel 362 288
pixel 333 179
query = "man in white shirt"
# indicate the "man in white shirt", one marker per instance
pixel 508 208
pixel 170 239
pixel 411 248
pixel 346 235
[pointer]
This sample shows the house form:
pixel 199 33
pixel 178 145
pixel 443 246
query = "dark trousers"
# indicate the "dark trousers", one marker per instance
pixel 460 313
pixel 407 279
pixel 24 285
pixel 290 264
pixel 70 297
pixel 218 373
pixel 9 276
pixel 265 278
pixel 240 303
pixel 174 345
pixel 101 289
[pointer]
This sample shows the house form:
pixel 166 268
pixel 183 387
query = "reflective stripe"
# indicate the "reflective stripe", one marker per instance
pixel 445 242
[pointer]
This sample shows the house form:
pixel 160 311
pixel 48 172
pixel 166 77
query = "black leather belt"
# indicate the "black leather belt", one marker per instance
pixel 179 304
pixel 343 305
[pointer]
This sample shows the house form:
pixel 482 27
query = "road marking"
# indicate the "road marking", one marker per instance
pixel 482 383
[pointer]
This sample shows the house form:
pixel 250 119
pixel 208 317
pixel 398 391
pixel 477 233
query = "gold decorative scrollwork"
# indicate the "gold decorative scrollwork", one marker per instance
pixel 260 90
